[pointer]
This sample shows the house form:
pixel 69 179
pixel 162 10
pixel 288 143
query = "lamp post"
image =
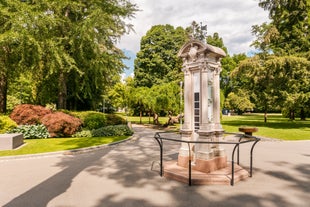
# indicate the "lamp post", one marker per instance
pixel 181 85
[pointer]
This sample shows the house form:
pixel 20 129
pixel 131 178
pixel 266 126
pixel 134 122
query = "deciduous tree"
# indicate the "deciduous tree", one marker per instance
pixel 157 60
pixel 288 32
pixel 276 82
pixel 68 45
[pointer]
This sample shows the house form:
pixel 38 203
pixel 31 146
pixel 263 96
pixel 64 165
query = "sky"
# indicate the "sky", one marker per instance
pixel 231 19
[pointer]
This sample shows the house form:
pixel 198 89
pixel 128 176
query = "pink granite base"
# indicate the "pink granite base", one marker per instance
pixel 206 166
pixel 211 165
pixel 218 177
pixel 183 161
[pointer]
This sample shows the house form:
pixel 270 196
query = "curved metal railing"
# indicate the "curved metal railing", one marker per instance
pixel 243 138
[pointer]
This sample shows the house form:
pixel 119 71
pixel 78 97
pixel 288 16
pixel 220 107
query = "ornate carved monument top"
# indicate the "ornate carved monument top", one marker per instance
pixel 194 48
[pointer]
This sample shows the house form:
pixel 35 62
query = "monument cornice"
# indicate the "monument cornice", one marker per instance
pixel 195 50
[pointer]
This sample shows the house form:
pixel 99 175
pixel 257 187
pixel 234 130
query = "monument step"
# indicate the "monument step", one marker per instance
pixel 217 177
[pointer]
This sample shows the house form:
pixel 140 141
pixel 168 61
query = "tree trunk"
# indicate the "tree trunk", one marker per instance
pixel 302 114
pixel 62 85
pixel 170 119
pixel 155 119
pixel 62 94
pixel 265 117
pixel 3 91
pixel 292 115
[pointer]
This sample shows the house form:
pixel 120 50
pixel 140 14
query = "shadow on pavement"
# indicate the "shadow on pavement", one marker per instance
pixel 58 183
pixel 129 165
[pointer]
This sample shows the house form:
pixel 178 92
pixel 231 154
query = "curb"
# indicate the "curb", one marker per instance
pixel 68 152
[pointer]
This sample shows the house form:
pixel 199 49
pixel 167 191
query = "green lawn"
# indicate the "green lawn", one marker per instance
pixel 276 126
pixel 34 146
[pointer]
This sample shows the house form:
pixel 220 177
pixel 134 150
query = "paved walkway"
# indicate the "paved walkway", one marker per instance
pixel 121 175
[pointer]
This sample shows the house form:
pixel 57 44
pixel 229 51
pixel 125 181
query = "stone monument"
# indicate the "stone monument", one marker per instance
pixel 201 159
pixel 201 67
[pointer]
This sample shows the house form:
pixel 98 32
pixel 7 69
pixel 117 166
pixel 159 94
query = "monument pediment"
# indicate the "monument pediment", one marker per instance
pixel 194 48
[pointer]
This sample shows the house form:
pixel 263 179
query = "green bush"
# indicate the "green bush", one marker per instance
pixel 83 133
pixel 117 130
pixel 114 119
pixel 80 114
pixel 6 124
pixel 92 119
pixel 31 131
pixel 12 102
pixel 95 120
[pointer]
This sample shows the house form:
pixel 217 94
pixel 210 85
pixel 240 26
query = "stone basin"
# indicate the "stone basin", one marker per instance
pixel 248 130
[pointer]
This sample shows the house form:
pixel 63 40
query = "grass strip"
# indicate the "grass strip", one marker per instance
pixel 34 146
pixel 277 126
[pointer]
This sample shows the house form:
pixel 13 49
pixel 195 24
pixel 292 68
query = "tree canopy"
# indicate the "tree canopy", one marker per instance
pixel 276 83
pixel 68 46
pixel 288 32
pixel 157 60
pixel 277 78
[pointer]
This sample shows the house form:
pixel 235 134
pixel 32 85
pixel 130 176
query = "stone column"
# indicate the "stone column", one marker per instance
pixel 204 99
pixel 216 99
pixel 218 151
pixel 187 125
pixel 186 131
pixel 203 151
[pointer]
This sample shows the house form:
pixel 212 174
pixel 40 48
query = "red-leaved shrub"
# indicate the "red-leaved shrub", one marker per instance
pixel 60 124
pixel 29 114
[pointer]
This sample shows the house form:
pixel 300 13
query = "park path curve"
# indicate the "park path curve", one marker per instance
pixel 121 175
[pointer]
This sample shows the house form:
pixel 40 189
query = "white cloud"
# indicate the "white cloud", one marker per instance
pixel 124 76
pixel 232 19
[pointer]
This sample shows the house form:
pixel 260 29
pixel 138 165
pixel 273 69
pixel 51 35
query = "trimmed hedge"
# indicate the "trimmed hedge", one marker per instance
pixel 117 130
pixel 114 119
pixel 95 120
pixel 83 133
